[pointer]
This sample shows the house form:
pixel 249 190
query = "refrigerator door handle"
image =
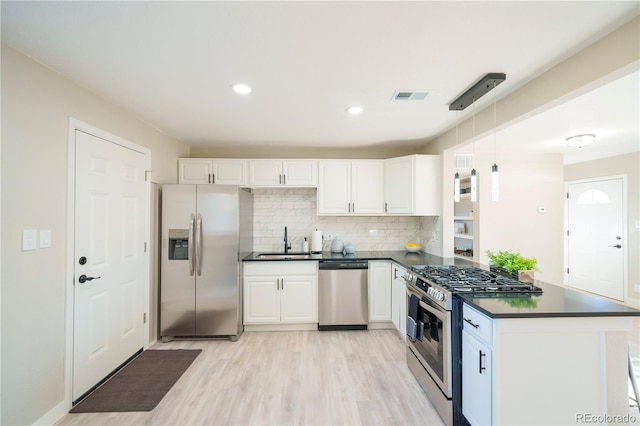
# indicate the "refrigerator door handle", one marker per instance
pixel 192 259
pixel 199 245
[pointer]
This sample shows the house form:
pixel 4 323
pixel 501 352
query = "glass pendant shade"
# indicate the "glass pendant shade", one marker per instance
pixel 495 183
pixel 456 187
pixel 474 186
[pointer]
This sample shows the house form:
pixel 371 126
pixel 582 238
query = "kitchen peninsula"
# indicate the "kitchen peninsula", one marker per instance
pixel 544 358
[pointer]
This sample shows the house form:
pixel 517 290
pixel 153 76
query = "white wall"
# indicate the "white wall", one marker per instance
pixel 609 58
pixel 36 106
pixel 513 223
pixel 624 164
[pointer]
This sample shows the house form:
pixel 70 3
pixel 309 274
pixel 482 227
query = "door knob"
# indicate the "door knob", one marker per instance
pixel 617 246
pixel 83 279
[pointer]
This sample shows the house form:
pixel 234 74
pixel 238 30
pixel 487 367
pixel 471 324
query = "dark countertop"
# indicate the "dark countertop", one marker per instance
pixel 401 256
pixel 555 301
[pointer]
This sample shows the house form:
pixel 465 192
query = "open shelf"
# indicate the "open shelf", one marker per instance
pixel 463 236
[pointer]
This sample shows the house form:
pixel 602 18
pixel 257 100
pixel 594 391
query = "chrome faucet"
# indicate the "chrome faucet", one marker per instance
pixel 287 244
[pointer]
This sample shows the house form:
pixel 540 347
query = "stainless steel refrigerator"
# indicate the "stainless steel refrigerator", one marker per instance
pixel 206 231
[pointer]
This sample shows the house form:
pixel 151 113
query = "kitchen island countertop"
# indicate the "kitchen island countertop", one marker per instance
pixel 555 302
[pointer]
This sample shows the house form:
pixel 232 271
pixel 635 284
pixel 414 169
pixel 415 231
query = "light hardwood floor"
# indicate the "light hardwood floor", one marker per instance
pixel 283 378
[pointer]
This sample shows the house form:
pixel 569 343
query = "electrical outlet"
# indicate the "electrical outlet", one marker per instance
pixel 434 236
pixel 328 237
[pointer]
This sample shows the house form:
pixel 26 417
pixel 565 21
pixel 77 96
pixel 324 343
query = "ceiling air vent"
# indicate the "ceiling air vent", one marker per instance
pixel 464 161
pixel 409 95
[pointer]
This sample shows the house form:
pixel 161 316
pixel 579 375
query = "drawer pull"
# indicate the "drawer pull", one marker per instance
pixel 471 323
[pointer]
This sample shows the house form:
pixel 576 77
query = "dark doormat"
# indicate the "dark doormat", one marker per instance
pixel 141 384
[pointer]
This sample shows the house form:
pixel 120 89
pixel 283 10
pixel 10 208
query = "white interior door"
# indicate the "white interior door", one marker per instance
pixel 596 237
pixel 110 222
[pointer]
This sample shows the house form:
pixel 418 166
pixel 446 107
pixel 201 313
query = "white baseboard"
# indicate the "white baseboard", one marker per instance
pixel 281 327
pixel 633 302
pixel 55 414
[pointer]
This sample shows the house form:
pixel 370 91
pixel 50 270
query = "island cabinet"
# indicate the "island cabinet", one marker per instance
pixel 225 171
pixel 543 370
pixel 348 188
pixel 379 280
pixel 476 367
pixel 283 173
pixel 412 185
pixel 399 299
pixel 280 295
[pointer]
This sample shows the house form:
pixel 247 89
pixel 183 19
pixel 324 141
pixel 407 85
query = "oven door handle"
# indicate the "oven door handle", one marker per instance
pixel 440 315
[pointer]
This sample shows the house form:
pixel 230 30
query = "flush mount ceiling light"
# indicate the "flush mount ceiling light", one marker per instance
pixel 242 89
pixel 578 141
pixel 355 110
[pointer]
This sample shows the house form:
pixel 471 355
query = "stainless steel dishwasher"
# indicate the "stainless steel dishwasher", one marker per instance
pixel 342 294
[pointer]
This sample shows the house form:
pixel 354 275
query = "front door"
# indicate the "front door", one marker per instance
pixel 596 237
pixel 109 258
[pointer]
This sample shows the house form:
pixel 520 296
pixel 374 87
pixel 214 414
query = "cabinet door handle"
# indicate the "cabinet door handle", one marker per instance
pixel 480 356
pixel 471 323
pixel 213 180
pixel 395 273
pixel 284 179
pixel 385 207
pixel 209 177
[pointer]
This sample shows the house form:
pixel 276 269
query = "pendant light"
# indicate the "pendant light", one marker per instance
pixel 479 89
pixel 456 177
pixel 474 178
pixel 495 185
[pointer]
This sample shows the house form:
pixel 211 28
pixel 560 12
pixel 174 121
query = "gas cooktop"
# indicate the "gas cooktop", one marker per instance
pixel 438 283
pixel 469 279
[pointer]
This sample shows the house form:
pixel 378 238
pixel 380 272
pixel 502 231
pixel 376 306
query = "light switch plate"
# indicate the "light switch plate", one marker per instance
pixel 29 239
pixel 45 238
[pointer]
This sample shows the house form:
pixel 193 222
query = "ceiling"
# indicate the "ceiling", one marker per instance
pixel 173 63
pixel 611 112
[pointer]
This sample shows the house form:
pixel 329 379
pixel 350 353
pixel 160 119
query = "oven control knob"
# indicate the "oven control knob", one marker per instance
pixel 441 297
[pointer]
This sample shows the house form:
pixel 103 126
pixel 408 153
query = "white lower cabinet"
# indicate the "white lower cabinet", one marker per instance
pixel 398 299
pixel 280 292
pixel 477 370
pixel 530 370
pixel 379 291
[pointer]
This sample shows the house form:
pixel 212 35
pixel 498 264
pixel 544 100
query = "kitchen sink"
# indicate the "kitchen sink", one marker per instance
pixel 283 256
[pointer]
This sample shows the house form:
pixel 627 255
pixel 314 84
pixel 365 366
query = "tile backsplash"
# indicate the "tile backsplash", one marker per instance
pixel 296 209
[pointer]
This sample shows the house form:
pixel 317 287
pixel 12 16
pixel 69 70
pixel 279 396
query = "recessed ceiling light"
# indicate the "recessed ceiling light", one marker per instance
pixel 579 141
pixel 354 110
pixel 242 89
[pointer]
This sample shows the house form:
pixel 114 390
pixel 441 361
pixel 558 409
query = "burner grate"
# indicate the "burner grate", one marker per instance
pixel 471 279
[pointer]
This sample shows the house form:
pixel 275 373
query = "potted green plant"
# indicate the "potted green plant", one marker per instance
pixel 513 264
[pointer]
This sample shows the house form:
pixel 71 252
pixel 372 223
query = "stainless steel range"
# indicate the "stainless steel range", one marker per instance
pixel 434 326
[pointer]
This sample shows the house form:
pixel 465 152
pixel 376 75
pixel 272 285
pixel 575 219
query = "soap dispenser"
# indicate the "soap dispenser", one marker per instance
pixel 305 245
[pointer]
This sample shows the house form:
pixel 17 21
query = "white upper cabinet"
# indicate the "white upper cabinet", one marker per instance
pixel 277 173
pixel 350 187
pixel 212 171
pixel 412 185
